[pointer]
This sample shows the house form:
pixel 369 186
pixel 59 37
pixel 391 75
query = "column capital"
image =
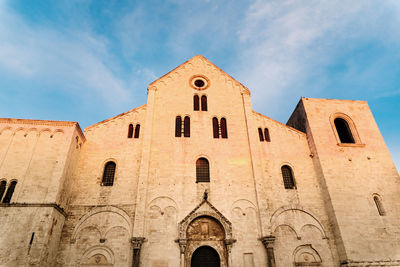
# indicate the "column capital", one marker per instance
pixel 137 242
pixel 229 243
pixel 182 244
pixel 268 241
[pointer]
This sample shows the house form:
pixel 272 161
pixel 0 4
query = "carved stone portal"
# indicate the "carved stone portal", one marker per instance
pixel 205 231
pixel 205 226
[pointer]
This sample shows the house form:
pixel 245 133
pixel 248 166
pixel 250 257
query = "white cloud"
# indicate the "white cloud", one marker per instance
pixel 66 59
pixel 286 43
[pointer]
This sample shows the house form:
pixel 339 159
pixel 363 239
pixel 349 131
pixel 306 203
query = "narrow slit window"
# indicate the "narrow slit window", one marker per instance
pixel 204 103
pixel 137 130
pixel 202 170
pixel 32 237
pixel 260 135
pixel 224 130
pixel 379 206
pixel 186 131
pixel 287 176
pixel 215 128
pixel 343 131
pixel 130 131
pixel 3 185
pixel 109 173
pixel 266 134
pixel 10 191
pixel 178 126
pixel 196 103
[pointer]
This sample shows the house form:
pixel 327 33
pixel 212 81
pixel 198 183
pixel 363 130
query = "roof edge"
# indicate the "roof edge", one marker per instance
pixel 119 115
pixel 45 122
pixel 286 126
pixel 202 57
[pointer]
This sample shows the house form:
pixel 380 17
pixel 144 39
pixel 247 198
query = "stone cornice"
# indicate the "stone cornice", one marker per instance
pixel 28 205
pixel 46 123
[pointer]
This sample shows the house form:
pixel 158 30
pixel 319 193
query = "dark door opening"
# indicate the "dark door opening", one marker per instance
pixel 205 257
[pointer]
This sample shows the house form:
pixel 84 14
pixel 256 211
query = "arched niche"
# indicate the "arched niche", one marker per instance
pixel 98 256
pixel 306 256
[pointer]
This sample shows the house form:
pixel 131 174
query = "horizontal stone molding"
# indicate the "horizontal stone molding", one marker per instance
pixel 30 205
pixel 351 263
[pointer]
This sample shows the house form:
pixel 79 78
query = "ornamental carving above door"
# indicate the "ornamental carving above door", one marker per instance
pixel 205 233
pixel 205 228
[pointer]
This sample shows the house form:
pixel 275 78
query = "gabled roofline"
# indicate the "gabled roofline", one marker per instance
pixel 45 122
pixel 286 126
pixel 119 115
pixel 333 99
pixel 202 57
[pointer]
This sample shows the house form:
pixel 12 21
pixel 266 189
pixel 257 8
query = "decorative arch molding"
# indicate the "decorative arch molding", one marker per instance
pixel 104 251
pixel 45 130
pixel 243 204
pixel 290 228
pixel 5 129
pixel 306 255
pixel 98 210
pixel 19 129
pixel 283 209
pixel 162 202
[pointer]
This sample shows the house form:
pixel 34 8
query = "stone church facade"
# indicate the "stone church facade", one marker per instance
pixel 195 177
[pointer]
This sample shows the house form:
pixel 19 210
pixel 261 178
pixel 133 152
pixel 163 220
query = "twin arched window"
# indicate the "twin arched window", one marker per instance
pixel 219 128
pixel 202 170
pixel 9 193
pixel 196 103
pixel 287 175
pixel 130 131
pixel 264 136
pixel 108 174
pixel 185 125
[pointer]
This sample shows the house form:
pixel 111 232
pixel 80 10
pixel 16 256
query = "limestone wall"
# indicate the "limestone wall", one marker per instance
pixel 352 174
pixel 296 217
pixel 108 228
pixel 36 155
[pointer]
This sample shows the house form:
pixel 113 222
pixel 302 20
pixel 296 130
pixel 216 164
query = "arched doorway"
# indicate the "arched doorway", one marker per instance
pixel 205 243
pixel 205 256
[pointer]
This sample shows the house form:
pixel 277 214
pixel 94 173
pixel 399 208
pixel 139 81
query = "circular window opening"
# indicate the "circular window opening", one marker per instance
pixel 199 83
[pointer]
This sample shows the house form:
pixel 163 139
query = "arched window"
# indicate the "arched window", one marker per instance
pixel 196 102
pixel 186 127
pixel 224 130
pixel 287 176
pixel 10 191
pixel 260 135
pixel 137 130
pixel 266 134
pixel 109 173
pixel 3 185
pixel 130 131
pixel 178 126
pixel 379 206
pixel 204 103
pixel 202 170
pixel 343 131
pixel 215 128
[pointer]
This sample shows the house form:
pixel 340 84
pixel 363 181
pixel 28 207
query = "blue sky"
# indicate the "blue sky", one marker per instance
pixel 86 61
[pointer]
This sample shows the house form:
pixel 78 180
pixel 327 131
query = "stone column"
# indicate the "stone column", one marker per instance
pixel 268 242
pixel 229 243
pixel 137 245
pixel 182 246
